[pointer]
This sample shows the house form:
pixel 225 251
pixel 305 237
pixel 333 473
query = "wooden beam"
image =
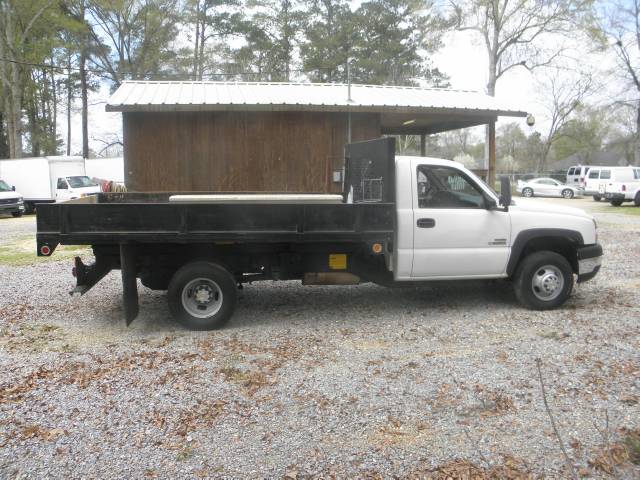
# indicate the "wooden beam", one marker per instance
pixel 491 180
pixel 423 145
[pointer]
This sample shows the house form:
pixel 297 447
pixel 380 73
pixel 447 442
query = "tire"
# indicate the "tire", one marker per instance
pixel 616 203
pixel 636 200
pixel 566 193
pixel 536 277
pixel 527 192
pixel 216 288
pixel 597 198
pixel 29 208
pixel 16 214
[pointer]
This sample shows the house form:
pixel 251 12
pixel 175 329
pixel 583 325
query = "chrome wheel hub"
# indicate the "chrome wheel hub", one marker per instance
pixel 547 282
pixel 202 298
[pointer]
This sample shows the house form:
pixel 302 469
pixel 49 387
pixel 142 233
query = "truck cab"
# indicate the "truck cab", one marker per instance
pixel 452 226
pixel 73 187
pixel 10 200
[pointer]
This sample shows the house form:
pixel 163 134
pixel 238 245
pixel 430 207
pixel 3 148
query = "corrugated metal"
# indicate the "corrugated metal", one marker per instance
pixel 195 96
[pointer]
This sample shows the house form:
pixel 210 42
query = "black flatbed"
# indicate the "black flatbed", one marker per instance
pixel 117 218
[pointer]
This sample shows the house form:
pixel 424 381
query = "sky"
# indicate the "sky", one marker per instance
pixel 462 58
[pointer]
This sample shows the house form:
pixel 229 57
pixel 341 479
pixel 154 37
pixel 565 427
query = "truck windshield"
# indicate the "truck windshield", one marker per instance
pixel 4 187
pixel 79 182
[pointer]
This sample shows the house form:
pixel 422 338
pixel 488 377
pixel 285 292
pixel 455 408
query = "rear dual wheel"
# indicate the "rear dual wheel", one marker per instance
pixel 202 295
pixel 543 280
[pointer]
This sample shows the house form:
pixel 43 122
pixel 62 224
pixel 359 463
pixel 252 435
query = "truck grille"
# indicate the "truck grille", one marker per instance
pixel 8 200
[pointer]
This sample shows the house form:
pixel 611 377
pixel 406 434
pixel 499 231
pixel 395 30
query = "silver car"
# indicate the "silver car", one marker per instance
pixel 547 187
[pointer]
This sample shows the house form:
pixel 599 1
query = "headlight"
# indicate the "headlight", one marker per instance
pixel 20 199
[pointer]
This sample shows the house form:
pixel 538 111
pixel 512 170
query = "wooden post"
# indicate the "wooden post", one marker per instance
pixel 423 145
pixel 491 174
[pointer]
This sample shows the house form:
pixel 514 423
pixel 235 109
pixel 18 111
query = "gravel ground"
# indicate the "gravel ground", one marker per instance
pixel 341 382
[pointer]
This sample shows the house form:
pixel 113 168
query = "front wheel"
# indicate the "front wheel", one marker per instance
pixel 616 203
pixel 636 200
pixel 202 295
pixel 543 280
pixel 566 193
pixel 16 214
pixel 527 192
pixel 597 198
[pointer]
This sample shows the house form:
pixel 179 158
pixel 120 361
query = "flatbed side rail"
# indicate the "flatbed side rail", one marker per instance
pixel 113 223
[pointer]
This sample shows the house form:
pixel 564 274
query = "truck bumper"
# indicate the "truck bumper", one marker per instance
pixel 11 207
pixel 614 196
pixel 589 262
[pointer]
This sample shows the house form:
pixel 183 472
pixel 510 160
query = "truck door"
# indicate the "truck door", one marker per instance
pixel 455 235
pixel 62 190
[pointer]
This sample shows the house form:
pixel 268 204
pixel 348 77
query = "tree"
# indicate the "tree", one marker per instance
pixel 516 33
pixel 131 38
pixel 271 39
pixel 214 20
pixel 393 41
pixel 21 37
pixel 329 40
pixel 564 94
pixel 617 28
pixel 585 133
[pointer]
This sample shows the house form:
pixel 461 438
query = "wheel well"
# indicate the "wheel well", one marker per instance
pixel 561 245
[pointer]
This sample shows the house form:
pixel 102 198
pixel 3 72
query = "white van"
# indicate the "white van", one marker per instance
pixel 592 181
pixel 624 186
pixel 576 175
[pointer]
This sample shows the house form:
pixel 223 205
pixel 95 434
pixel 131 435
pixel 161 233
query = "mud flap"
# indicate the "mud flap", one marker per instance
pixel 129 270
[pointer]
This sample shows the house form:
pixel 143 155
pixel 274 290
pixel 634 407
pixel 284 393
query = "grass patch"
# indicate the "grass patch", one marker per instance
pixel 624 209
pixel 22 251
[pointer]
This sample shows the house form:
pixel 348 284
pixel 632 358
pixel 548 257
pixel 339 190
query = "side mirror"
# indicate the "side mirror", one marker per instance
pixel 505 192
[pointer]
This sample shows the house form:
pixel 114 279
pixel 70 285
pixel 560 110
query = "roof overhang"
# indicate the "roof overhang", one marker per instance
pixel 402 109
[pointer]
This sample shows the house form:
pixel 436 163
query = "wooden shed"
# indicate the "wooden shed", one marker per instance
pixel 244 136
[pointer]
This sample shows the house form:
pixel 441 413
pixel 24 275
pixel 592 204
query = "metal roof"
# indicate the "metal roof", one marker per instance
pixel 150 96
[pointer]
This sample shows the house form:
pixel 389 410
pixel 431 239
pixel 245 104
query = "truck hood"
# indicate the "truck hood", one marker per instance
pixel 534 206
pixel 11 194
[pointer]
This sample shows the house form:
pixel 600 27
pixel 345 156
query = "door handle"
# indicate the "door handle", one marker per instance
pixel 426 223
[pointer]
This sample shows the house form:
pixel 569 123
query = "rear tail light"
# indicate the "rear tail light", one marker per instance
pixel 624 188
pixel 45 250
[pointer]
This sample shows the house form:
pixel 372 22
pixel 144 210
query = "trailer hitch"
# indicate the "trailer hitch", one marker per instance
pixel 88 275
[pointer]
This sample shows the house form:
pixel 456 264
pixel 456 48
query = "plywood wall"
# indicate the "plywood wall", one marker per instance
pixel 239 151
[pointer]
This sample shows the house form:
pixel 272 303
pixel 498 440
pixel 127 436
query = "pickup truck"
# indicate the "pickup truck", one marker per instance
pixel 10 200
pixel 401 221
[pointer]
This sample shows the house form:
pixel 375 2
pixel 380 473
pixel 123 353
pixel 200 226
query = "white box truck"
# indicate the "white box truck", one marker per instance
pixel 47 179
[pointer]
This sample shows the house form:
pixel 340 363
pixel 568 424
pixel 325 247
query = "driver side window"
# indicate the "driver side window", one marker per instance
pixel 445 187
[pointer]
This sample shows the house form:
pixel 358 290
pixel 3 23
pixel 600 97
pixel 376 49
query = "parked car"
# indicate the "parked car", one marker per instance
pixel 619 191
pixel 10 200
pixel 547 187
